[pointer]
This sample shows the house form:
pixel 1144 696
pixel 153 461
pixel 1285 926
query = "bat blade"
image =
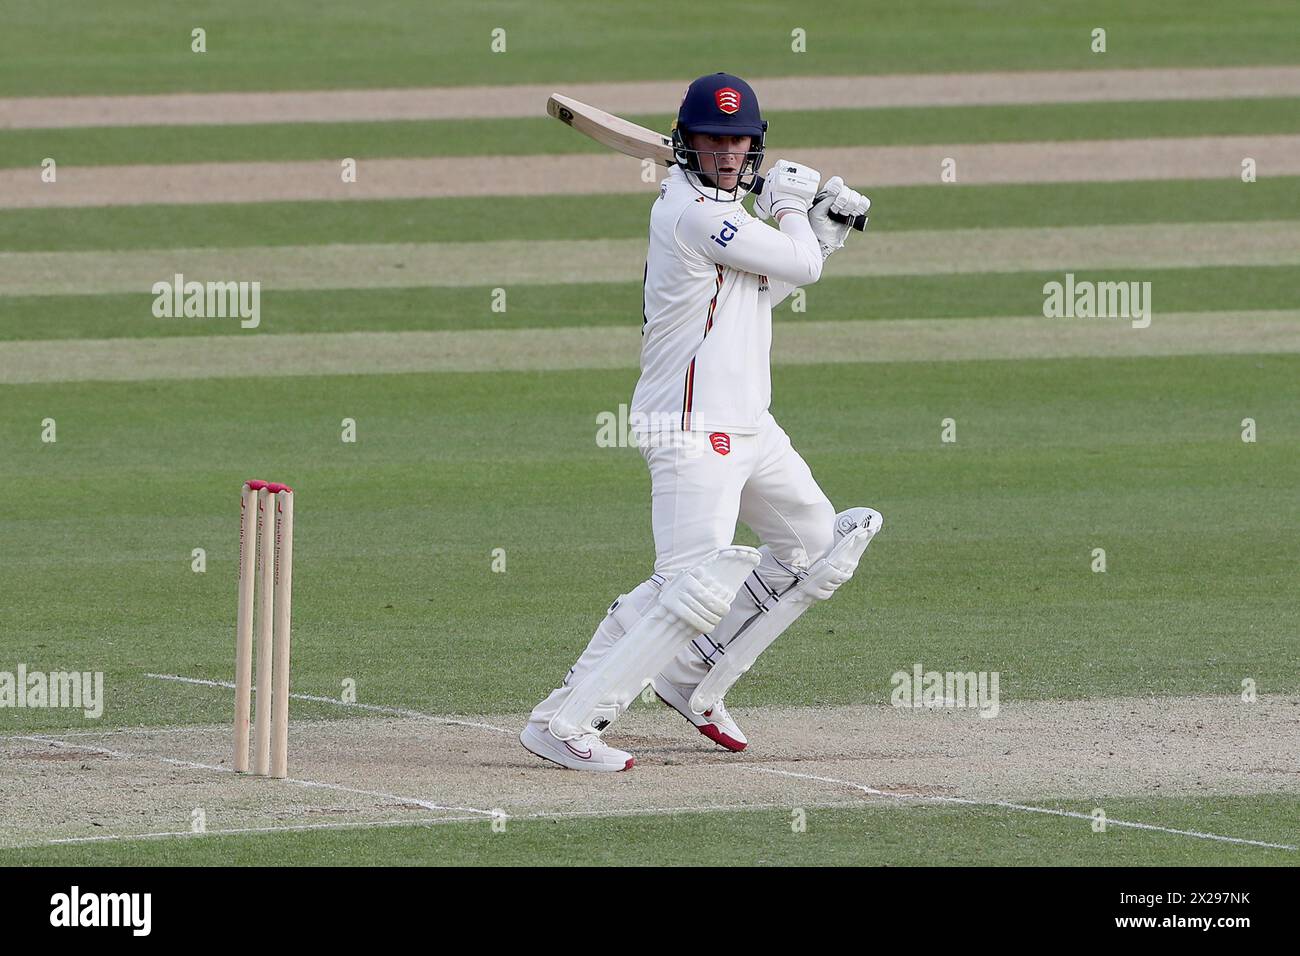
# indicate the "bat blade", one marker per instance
pixel 612 131
pixel 628 138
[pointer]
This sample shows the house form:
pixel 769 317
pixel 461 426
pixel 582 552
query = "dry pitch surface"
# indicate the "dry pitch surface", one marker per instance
pixel 376 771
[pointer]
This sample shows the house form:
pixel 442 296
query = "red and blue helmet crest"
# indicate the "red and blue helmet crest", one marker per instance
pixel 723 105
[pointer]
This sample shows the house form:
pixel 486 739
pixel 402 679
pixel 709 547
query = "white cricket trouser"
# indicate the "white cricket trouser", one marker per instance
pixel 697 494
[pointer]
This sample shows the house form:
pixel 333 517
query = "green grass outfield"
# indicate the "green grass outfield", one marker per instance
pixel 878 835
pixel 83 46
pixel 984 563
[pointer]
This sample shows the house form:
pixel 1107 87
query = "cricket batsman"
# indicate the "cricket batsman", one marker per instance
pixel 700 415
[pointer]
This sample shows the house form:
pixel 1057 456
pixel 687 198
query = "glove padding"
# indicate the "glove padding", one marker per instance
pixel 789 186
pixel 835 198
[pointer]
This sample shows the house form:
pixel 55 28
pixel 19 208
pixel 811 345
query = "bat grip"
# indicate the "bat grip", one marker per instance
pixel 860 223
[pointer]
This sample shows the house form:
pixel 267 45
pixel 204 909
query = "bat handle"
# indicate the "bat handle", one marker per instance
pixel 860 223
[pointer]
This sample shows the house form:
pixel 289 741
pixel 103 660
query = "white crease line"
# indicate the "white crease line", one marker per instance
pixel 136 731
pixel 373 708
pixel 661 811
pixel 431 821
pixel 194 765
pixel 1022 807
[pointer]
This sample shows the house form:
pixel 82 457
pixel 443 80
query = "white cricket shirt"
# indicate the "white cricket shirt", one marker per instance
pixel 707 333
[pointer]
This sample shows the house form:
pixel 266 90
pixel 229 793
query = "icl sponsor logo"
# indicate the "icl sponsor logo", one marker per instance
pixel 724 236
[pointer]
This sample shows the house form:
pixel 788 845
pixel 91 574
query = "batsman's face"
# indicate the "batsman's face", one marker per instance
pixel 722 157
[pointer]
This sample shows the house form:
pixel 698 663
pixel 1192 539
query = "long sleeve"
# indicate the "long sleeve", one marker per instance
pixel 732 237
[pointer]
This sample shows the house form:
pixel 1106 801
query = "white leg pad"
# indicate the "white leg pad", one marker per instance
pixel 692 603
pixel 820 582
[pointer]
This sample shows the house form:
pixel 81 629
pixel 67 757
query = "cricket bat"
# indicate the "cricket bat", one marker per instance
pixel 629 139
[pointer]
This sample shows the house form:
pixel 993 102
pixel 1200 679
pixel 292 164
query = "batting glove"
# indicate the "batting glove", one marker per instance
pixel 789 186
pixel 835 198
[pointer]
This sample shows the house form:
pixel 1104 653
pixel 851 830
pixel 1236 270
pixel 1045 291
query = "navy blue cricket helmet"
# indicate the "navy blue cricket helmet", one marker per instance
pixel 723 105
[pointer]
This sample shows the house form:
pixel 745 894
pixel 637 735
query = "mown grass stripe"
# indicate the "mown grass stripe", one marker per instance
pixel 609 217
pixel 244 142
pixel 834 298
pixel 916 340
pixel 515 101
pixel 86 47
pixel 507 176
pixel 502 263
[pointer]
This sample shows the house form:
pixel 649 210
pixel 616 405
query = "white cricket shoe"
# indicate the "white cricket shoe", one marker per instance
pixel 716 724
pixel 587 752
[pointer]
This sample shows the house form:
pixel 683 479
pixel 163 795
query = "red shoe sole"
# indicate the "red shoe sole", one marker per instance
pixel 710 731
pixel 721 739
